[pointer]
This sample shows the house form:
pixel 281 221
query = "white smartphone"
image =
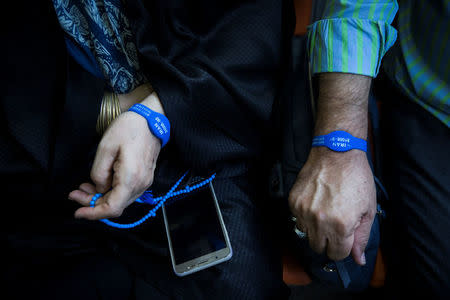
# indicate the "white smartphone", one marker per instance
pixel 196 232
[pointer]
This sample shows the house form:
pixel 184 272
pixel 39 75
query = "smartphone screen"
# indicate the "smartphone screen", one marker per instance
pixel 196 232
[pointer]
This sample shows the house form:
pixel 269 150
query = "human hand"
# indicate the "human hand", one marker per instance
pixel 334 201
pixel 123 167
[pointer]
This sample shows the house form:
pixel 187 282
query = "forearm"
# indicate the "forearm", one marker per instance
pixel 333 197
pixel 342 104
pixel 135 96
pixel 143 94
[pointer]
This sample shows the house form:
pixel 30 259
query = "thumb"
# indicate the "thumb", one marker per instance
pixel 362 235
pixel 102 169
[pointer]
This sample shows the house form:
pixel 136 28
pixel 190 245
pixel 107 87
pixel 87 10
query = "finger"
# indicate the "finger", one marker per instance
pixel 102 169
pixel 362 235
pixel 111 205
pixel 317 241
pixel 81 197
pixel 132 174
pixel 300 227
pixel 88 188
pixel 300 231
pixel 338 249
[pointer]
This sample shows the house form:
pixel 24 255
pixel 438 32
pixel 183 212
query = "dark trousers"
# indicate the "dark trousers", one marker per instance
pixel 416 169
pixel 97 262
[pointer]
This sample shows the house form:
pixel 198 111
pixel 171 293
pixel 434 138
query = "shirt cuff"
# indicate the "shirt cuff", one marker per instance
pixel 349 45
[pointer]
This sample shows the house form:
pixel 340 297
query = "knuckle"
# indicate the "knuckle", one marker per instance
pixel 303 209
pixel 98 177
pixel 292 195
pixel 333 255
pixel 338 255
pixel 104 147
pixel 298 207
pixel 316 247
pixel 293 201
pixel 135 178
pixel 115 212
pixel 148 181
pixel 318 216
pixel 321 216
pixel 371 213
pixel 144 177
pixel 297 210
pixel 340 226
pixel 145 184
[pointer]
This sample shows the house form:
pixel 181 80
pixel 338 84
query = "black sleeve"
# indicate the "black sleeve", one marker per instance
pixel 216 66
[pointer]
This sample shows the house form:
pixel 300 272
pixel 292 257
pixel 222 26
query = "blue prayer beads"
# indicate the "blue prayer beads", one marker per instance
pixel 147 197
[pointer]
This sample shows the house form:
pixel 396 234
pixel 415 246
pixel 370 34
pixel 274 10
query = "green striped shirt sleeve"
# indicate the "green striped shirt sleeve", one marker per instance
pixel 351 36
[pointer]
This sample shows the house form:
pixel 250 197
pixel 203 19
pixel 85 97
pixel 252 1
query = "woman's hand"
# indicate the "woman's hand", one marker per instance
pixel 123 167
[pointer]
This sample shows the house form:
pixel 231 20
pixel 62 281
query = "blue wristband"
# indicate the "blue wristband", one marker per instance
pixel 339 141
pixel 158 124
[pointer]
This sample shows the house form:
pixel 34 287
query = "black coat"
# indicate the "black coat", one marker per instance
pixel 217 70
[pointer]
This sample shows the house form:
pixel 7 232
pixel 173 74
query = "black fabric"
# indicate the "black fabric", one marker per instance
pixel 109 264
pixel 48 141
pixel 48 114
pixel 415 153
pixel 294 125
pixel 296 119
pixel 217 69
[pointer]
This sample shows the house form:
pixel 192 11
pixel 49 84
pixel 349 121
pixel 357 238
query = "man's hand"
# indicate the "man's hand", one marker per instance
pixel 334 202
pixel 334 197
pixel 123 167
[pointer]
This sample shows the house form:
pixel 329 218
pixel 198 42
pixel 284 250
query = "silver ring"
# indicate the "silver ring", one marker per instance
pixel 300 234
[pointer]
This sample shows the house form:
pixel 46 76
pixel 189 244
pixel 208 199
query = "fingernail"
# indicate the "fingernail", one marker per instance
pixel 363 258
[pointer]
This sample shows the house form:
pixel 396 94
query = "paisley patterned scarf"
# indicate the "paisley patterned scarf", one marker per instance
pixel 98 36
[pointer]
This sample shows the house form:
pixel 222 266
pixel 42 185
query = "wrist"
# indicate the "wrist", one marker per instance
pixel 325 153
pixel 322 158
pixel 158 124
pixel 135 96
pixel 359 132
pixel 339 141
pixel 113 105
pixel 348 118
pixel 152 101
